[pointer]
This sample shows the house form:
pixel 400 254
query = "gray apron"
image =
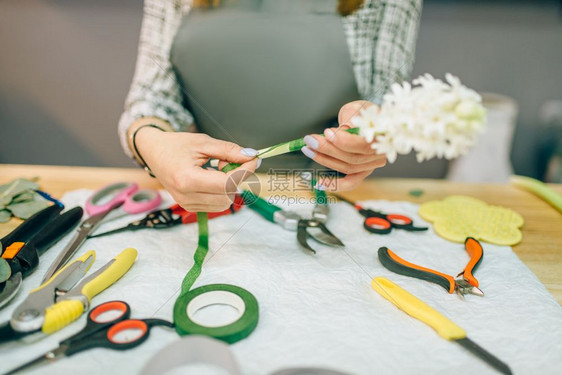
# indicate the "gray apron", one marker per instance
pixel 261 72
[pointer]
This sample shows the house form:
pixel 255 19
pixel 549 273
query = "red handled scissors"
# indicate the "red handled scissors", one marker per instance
pixel 170 217
pixel 108 203
pixel 108 326
pixel 379 223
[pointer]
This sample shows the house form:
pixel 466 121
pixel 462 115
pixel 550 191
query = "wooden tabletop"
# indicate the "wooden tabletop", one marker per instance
pixel 540 249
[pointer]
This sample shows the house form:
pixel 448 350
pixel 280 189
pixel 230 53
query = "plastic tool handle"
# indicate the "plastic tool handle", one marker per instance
pixel 416 308
pixel 28 228
pixel 396 264
pixel 116 268
pixel 474 249
pixel 261 206
pixel 109 197
pixel 56 229
pixel 65 312
pixel 142 201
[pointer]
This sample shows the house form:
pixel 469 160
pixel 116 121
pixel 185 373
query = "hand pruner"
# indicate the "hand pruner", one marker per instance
pixel 306 228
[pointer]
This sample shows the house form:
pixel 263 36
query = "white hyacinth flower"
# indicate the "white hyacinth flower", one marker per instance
pixel 432 118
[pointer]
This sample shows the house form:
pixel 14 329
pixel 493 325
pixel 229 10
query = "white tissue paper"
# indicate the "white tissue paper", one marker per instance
pixel 316 310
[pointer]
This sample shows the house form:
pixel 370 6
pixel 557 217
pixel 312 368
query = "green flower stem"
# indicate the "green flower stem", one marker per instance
pixel 280 149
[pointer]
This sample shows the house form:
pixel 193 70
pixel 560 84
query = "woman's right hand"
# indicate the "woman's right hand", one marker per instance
pixel 177 158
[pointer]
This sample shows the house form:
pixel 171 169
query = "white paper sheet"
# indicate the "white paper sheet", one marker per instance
pixel 318 310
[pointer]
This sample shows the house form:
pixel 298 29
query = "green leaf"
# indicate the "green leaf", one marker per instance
pixel 27 209
pixel 5 270
pixel 5 216
pixel 15 188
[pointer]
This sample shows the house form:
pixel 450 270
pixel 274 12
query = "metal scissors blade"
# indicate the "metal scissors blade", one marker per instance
pixel 48 357
pixel 84 229
pixel 324 235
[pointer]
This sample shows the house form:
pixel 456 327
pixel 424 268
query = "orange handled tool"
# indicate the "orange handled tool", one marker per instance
pixel 465 285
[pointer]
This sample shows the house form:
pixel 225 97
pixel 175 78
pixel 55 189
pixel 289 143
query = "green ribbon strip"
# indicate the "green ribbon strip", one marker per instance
pixel 280 149
pixel 200 253
pixel 185 325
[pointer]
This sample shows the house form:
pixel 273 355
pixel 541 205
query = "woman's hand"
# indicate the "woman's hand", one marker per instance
pixel 343 152
pixel 176 159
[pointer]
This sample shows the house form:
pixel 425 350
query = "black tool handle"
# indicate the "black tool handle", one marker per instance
pixel 400 266
pixel 31 226
pixel 57 229
pixel 107 338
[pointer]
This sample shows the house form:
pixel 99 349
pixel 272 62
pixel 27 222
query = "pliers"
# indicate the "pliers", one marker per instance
pixel 170 217
pixel 305 228
pixel 465 285
pixel 65 296
pixel 22 247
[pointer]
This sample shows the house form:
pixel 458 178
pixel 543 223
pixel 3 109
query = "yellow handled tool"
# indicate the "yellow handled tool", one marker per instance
pixel 74 303
pixel 418 309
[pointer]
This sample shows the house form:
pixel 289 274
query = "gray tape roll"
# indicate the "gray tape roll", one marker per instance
pixel 192 350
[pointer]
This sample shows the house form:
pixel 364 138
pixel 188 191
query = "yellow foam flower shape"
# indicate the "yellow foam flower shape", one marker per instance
pixel 458 216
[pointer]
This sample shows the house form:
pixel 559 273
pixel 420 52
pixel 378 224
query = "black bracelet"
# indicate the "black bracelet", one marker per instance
pixel 143 163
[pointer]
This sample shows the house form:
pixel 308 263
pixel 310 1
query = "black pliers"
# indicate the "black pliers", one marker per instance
pixel 20 249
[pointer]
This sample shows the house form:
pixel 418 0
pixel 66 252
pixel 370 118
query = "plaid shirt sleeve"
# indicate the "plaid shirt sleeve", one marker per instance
pixel 155 91
pixel 381 37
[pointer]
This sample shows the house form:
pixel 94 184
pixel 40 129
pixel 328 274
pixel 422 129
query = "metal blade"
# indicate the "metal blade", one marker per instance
pixel 76 292
pixel 44 359
pixel 322 234
pixel 118 230
pixel 65 255
pixel 11 287
pixel 480 352
pixel 302 236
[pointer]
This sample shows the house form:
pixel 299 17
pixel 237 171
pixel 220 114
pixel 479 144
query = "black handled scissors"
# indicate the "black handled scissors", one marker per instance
pixel 108 326
pixel 379 223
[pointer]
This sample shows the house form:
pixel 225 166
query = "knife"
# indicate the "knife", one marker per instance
pixel 418 309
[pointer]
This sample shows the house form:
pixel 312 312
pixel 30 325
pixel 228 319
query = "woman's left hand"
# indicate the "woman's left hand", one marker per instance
pixel 344 152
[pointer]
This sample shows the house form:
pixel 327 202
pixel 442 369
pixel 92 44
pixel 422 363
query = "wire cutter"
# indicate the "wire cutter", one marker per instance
pixel 379 223
pixel 22 247
pixel 170 217
pixel 64 297
pixel 305 228
pixel 465 285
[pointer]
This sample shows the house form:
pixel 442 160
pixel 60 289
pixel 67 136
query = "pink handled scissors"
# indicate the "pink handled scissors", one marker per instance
pixel 123 197
pixel 120 199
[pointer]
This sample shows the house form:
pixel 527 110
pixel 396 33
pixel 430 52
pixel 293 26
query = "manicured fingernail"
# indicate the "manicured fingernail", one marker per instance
pixel 250 152
pixel 319 186
pixel 330 134
pixel 311 142
pixel 308 152
pixel 259 163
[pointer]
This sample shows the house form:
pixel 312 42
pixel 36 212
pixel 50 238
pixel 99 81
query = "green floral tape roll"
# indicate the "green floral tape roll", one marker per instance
pixel 189 303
